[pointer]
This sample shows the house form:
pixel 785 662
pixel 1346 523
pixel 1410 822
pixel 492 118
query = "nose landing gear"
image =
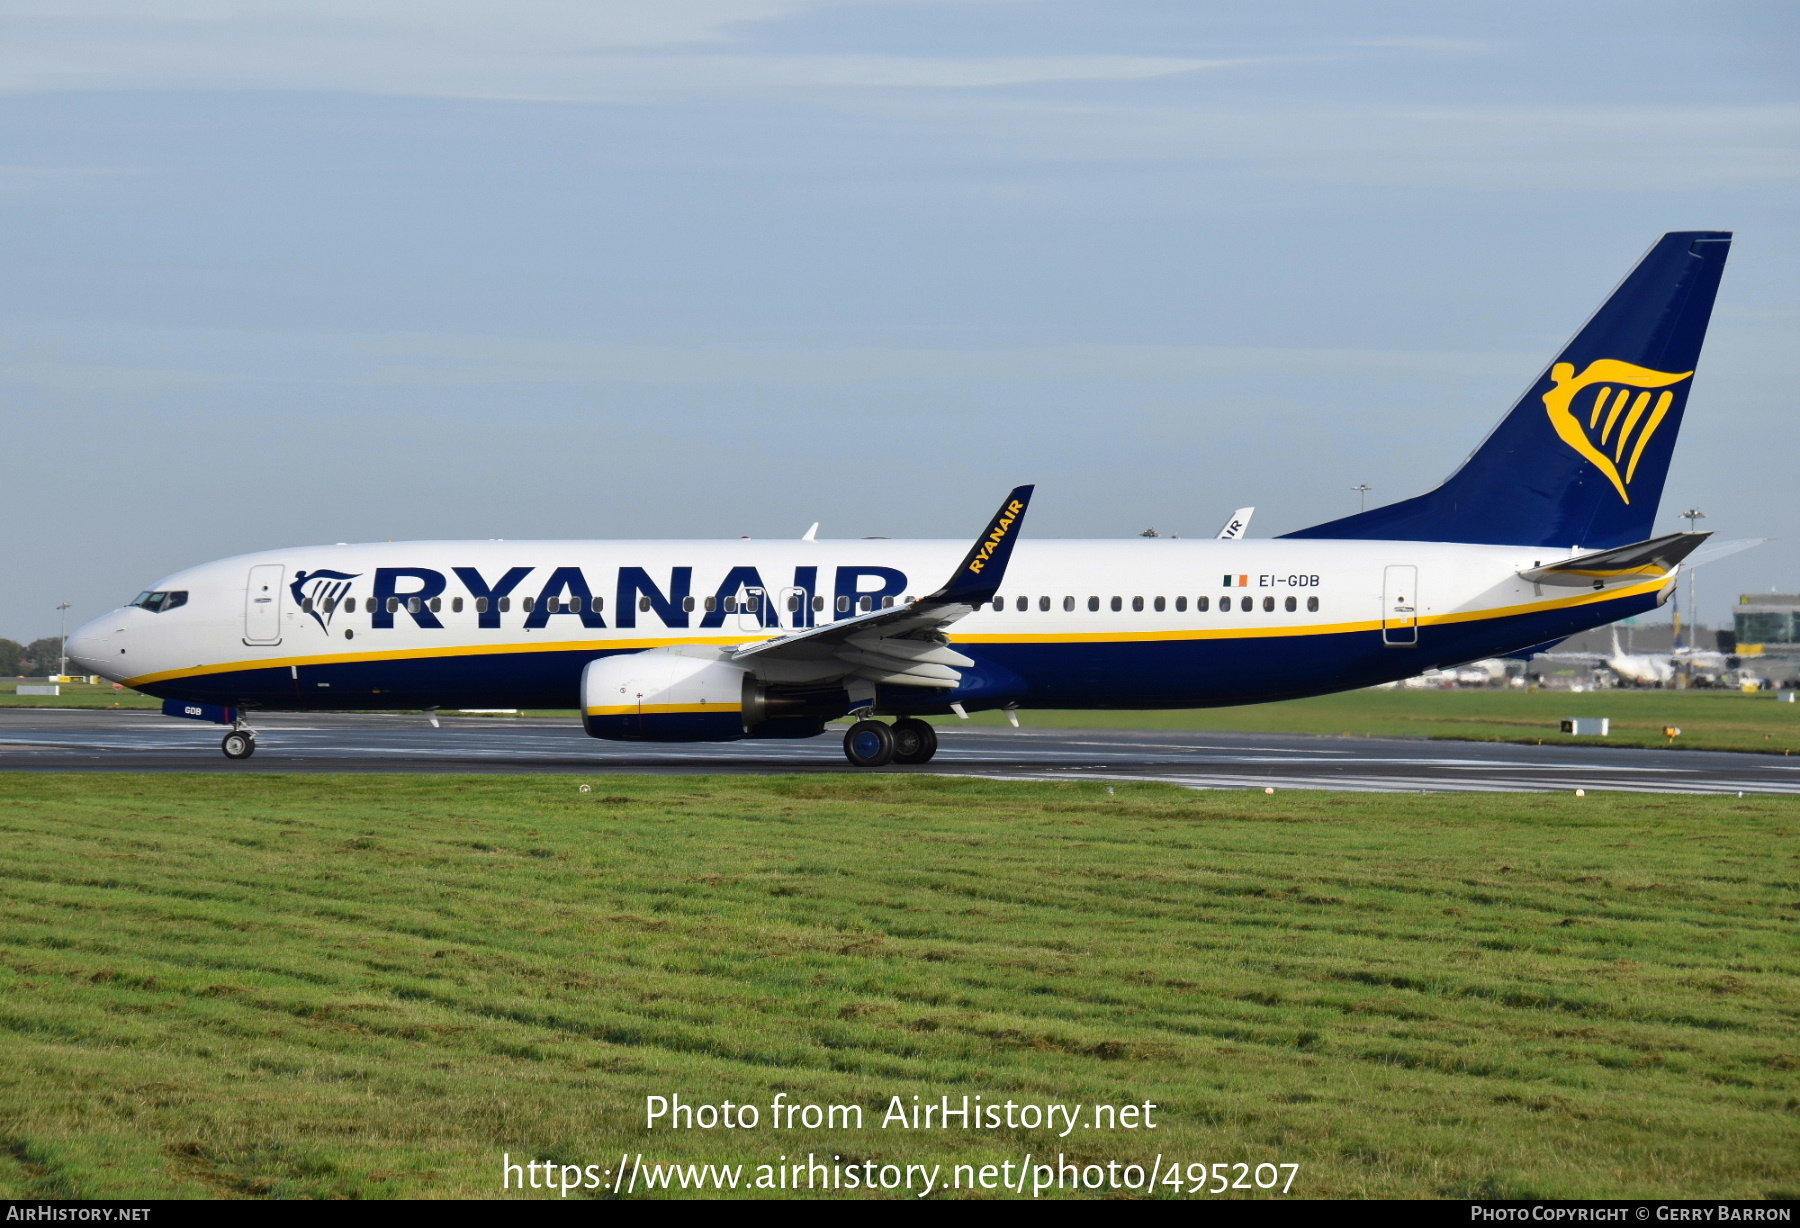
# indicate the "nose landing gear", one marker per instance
pixel 871 744
pixel 240 743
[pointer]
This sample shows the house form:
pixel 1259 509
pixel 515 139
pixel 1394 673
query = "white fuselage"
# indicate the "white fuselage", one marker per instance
pixel 1139 622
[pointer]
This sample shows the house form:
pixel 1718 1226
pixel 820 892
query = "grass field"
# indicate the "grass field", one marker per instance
pixel 76 695
pixel 374 985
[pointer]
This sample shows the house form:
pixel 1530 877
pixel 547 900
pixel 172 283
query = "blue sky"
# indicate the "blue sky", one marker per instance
pixel 280 273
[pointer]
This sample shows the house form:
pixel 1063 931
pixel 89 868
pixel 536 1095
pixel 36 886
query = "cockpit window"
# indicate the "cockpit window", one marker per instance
pixel 157 603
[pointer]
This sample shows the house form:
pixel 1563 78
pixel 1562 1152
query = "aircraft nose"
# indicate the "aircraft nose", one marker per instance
pixel 94 648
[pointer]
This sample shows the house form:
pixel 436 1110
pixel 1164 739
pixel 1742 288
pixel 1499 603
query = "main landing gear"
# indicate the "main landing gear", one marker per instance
pixel 239 744
pixel 873 744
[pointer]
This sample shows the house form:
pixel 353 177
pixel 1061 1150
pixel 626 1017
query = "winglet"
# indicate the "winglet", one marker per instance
pixel 977 578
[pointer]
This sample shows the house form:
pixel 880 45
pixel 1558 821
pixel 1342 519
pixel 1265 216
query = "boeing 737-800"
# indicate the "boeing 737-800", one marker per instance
pixel 1546 530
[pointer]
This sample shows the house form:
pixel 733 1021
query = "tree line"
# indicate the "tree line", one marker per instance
pixel 37 659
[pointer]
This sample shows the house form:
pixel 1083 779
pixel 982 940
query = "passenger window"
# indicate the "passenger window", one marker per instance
pixel 412 605
pixel 437 604
pixel 687 605
pixel 481 605
pixel 818 605
pixel 456 605
pixel 1312 605
pixel 999 605
pixel 866 604
pixel 1202 603
pixel 528 604
pixel 752 604
pixel 1291 604
pixel 1180 604
pixel 1068 604
pixel 1161 605
pixel 1268 604
pixel 1118 603
pixel 506 604
pixel 1137 604
pixel 1246 605
pixel 843 604
pixel 793 603
pixel 394 605
pixel 329 605
pixel 887 603
pixel 1093 604
pixel 599 603
pixel 1043 604
pixel 306 605
pixel 1024 603
pixel 712 603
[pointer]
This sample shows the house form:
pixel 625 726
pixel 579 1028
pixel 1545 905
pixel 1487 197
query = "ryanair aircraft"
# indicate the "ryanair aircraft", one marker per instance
pixel 1545 531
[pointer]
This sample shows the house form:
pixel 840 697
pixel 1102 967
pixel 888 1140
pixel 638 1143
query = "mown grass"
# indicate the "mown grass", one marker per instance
pixel 369 986
pixel 1708 720
pixel 77 695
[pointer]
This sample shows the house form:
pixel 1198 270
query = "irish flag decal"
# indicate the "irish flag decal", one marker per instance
pixel 1237 581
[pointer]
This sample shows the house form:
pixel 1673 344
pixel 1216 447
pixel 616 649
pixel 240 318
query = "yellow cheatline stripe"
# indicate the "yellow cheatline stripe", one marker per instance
pixel 661 709
pixel 1273 632
pixel 1601 571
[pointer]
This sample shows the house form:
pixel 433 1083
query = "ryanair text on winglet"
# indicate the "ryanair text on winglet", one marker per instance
pixel 997 536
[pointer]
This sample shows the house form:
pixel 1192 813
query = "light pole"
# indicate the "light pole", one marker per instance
pixel 1362 496
pixel 62 661
pixel 1692 515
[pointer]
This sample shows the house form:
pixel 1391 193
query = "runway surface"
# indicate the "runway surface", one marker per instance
pixel 63 740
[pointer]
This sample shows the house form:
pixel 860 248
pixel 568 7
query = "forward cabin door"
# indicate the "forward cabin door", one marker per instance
pixel 1400 606
pixel 262 604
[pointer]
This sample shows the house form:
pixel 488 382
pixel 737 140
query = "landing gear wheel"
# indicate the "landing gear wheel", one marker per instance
pixel 915 741
pixel 238 745
pixel 869 744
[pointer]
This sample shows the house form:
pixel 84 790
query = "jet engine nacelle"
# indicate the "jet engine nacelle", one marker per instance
pixel 661 696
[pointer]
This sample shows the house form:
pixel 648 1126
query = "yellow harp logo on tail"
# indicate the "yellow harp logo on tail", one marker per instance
pixel 1612 426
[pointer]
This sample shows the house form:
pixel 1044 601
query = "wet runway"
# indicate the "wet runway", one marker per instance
pixel 54 740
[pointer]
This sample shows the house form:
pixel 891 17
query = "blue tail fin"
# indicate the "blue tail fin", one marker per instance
pixel 1580 461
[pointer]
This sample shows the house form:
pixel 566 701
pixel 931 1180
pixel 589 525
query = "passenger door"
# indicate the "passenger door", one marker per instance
pixel 262 604
pixel 1400 606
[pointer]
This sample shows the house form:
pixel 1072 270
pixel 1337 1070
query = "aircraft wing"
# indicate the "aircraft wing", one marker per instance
pixel 1648 560
pixel 905 645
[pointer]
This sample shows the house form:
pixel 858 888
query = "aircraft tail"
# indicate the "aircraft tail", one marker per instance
pixel 1580 460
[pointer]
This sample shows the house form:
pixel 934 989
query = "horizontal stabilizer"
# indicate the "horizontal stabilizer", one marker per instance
pixel 1715 551
pixel 1649 560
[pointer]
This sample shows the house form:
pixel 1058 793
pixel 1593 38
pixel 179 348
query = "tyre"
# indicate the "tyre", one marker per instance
pixel 869 744
pixel 915 741
pixel 238 745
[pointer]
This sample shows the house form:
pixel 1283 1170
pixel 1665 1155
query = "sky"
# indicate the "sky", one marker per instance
pixel 276 273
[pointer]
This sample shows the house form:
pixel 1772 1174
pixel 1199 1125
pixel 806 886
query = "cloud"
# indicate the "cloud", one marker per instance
pixel 527 50
pixel 1431 46
pixel 451 360
pixel 1537 147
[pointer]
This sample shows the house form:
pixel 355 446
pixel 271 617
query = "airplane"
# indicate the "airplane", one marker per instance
pixel 1546 530
pixel 1648 668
